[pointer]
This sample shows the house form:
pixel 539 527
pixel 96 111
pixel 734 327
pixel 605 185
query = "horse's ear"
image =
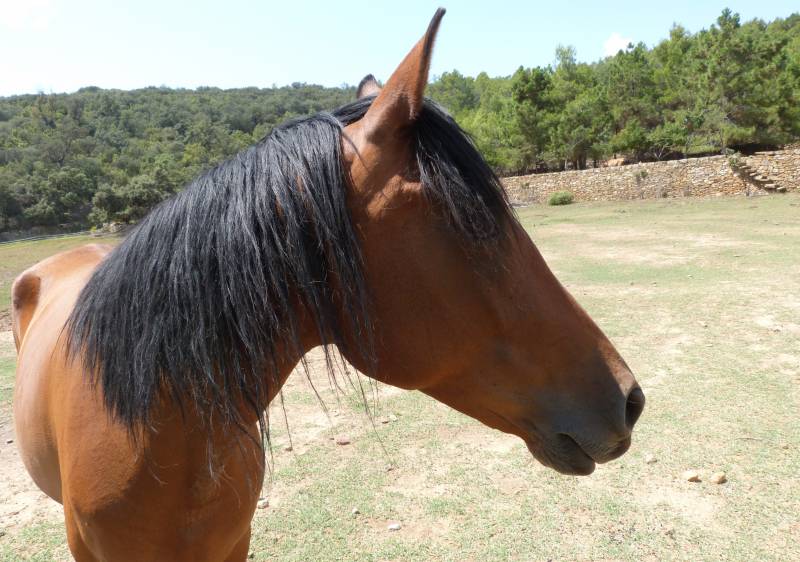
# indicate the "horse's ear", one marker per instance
pixel 400 100
pixel 368 87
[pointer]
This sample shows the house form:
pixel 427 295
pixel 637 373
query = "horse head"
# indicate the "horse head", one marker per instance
pixel 467 310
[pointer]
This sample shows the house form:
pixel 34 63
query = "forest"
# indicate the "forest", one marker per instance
pixel 97 156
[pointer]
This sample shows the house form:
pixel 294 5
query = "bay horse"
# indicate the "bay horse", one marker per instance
pixel 144 370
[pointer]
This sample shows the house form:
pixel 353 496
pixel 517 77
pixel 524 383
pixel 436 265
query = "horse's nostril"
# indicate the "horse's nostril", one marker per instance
pixel 634 406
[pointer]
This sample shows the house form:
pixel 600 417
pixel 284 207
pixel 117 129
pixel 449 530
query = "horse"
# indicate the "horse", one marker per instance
pixel 144 371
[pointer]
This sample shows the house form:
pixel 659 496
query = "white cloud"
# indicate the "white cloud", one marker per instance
pixel 615 43
pixel 21 15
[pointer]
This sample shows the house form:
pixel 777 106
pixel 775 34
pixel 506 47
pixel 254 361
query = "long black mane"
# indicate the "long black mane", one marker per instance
pixel 202 294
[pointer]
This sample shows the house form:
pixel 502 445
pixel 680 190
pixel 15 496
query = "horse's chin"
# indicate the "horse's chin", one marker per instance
pixel 567 458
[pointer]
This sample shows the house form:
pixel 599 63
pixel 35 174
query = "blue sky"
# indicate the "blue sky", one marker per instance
pixel 62 45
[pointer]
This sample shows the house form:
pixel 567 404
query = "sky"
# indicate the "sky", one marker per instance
pixel 63 45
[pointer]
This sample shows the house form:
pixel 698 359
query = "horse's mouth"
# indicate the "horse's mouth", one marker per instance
pixel 561 451
pixel 563 454
pixel 566 455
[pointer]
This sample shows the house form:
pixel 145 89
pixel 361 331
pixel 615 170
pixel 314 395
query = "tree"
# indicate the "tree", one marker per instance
pixel 533 107
pixel 628 84
pixel 455 92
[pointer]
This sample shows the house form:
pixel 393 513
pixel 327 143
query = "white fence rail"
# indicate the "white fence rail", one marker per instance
pixel 45 237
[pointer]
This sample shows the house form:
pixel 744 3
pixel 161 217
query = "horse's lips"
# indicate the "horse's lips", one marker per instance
pixel 569 459
pixel 560 452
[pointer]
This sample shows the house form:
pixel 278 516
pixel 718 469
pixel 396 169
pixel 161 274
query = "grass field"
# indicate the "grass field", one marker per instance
pixel 702 298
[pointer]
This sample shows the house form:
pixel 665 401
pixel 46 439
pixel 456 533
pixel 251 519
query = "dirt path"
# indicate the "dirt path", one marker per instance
pixel 21 502
pixel 5 321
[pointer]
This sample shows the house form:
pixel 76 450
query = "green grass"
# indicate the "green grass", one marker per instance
pixel 40 542
pixel 7 367
pixel 702 298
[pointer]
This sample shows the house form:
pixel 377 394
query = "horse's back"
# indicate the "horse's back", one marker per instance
pixel 42 298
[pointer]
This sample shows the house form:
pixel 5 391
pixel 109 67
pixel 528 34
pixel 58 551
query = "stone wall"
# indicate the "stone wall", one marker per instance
pixel 693 177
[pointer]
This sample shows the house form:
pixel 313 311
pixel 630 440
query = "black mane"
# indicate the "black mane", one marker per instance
pixel 198 298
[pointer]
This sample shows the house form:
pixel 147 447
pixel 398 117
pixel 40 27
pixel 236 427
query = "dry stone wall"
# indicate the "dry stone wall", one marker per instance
pixel 693 177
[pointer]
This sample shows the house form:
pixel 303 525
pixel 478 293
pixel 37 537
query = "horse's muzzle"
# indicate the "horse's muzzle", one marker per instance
pixel 578 452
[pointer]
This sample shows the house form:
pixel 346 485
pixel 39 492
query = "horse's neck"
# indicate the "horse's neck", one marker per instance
pixel 175 430
pixel 287 357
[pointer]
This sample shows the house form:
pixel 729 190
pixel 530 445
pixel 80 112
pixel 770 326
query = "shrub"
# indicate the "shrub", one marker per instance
pixel 560 198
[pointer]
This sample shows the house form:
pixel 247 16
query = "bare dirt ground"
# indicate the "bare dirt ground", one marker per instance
pixel 21 502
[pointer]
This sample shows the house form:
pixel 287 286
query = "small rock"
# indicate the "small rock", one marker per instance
pixel 9 441
pixel 394 526
pixel 703 324
pixel 355 511
pixel 709 345
pixel 718 478
pixel 288 448
pixel 251 556
pixel 650 459
pixel 342 440
pixel 392 418
pixel 263 503
pixel 785 446
pixel 691 476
